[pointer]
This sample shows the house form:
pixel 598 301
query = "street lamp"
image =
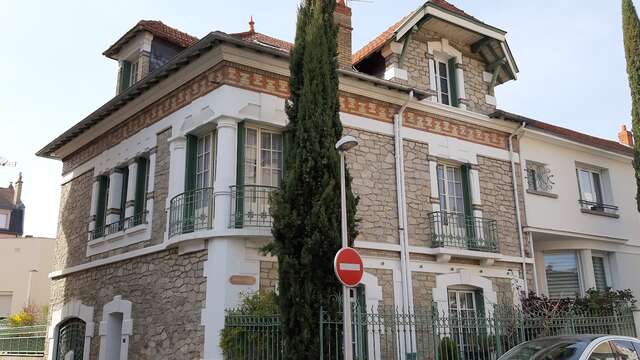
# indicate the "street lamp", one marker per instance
pixel 29 285
pixel 343 145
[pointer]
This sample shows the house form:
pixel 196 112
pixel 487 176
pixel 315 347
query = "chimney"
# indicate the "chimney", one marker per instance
pixel 18 190
pixel 342 18
pixel 625 137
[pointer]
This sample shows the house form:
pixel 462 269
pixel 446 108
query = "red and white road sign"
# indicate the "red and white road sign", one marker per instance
pixel 348 266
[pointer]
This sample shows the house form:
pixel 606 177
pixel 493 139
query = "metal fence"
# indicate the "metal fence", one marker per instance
pixel 191 211
pixel 386 333
pixel 456 230
pixel 250 206
pixel 23 340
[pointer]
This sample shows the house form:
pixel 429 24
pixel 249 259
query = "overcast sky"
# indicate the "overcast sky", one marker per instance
pixel 52 73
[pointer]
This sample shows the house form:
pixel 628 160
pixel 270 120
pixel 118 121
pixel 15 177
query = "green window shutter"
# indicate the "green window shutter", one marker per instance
pixel 192 159
pixel 452 82
pixel 238 216
pixel 102 200
pixel 125 75
pixel 468 204
pixel 141 189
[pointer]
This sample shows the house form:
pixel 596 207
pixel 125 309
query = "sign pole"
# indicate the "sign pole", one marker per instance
pixel 346 301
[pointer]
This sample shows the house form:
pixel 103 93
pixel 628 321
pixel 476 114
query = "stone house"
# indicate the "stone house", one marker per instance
pixel 164 204
pixel 12 210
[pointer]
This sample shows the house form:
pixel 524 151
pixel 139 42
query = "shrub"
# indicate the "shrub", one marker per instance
pixel 26 317
pixel 448 349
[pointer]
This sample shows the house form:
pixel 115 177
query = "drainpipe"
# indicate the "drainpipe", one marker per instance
pixel 517 199
pixel 403 235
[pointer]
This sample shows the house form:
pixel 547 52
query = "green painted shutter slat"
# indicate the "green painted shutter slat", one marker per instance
pixel 452 82
pixel 102 199
pixel 125 76
pixel 141 188
pixel 468 205
pixel 190 184
pixel 240 176
pixel 123 195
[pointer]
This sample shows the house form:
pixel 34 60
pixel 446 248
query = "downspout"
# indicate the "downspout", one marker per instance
pixel 403 236
pixel 514 181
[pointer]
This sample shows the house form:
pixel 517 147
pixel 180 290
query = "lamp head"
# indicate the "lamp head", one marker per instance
pixel 346 143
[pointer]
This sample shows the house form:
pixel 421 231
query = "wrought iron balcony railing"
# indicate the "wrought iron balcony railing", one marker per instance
pixel 455 230
pixel 120 225
pixel 191 211
pixel 598 207
pixel 250 206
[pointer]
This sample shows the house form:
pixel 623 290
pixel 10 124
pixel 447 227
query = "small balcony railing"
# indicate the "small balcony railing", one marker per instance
pixel 591 206
pixel 120 225
pixel 191 211
pixel 250 206
pixel 455 230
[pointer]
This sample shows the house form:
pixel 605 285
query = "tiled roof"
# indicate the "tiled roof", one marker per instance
pixel 6 198
pixel 158 29
pixel 377 43
pixel 262 39
pixel 565 133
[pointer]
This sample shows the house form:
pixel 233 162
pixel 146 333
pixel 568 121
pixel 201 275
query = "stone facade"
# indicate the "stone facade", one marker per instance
pixel 268 276
pixel 372 166
pixel 385 281
pixel 417 188
pixel 423 284
pixel 496 193
pixel 167 292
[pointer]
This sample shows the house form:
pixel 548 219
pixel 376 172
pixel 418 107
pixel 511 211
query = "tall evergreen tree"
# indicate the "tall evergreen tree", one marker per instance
pixel 631 31
pixel 306 210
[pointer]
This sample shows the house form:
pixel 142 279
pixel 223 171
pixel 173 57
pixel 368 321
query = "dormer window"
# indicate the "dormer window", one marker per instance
pixel 133 77
pixel 443 83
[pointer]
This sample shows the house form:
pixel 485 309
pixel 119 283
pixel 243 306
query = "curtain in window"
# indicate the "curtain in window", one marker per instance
pixel 562 274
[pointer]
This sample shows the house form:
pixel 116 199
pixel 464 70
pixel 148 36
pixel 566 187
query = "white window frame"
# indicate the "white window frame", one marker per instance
pixel 439 78
pixel 537 167
pixel 579 269
pixel 211 164
pixel 592 184
pixel 6 222
pixel 606 266
pixel 446 207
pixel 258 148
pixel 133 73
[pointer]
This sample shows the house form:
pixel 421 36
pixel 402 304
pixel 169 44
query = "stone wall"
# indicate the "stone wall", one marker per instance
pixel 498 203
pixel 372 166
pixel 423 284
pixel 268 276
pixel 167 292
pixel 417 188
pixel 385 281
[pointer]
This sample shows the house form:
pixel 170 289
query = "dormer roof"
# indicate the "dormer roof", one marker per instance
pixel 158 29
pixel 487 41
pixel 258 38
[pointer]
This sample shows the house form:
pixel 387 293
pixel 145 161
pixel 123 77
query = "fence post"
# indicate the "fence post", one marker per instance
pixel 321 335
pixel 636 320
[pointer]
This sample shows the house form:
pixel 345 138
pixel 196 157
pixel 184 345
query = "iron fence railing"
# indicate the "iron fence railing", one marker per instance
pixel 457 230
pixel 596 206
pixel 191 211
pixel 250 206
pixel 386 333
pixel 23 340
pixel 120 225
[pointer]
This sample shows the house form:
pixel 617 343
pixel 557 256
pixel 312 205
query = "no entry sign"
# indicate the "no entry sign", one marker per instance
pixel 348 267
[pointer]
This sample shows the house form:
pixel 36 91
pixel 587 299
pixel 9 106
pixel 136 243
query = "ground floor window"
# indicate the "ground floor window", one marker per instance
pixel 70 341
pixel 465 313
pixel 562 273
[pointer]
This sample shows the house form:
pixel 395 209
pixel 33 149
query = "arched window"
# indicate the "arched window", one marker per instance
pixel 70 344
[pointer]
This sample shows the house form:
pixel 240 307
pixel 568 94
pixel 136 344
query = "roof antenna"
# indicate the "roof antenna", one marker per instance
pixel 7 163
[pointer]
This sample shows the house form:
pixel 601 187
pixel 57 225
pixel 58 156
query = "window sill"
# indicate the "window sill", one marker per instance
pixel 119 239
pixel 542 193
pixel 599 213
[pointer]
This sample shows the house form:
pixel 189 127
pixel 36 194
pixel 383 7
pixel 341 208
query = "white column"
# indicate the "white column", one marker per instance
pixel 460 84
pixel 115 196
pixel 95 191
pixel 131 189
pixel 225 170
pixel 177 166
pixel 586 266
pixel 432 77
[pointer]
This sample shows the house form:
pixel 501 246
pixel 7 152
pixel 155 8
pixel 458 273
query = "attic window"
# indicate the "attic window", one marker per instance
pixel 133 77
pixel 443 84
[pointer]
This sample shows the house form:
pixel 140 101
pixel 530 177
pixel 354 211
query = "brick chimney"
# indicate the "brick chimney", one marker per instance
pixel 342 18
pixel 625 137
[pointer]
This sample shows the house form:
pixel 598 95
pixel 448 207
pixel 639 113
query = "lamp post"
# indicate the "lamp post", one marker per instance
pixel 343 145
pixel 29 285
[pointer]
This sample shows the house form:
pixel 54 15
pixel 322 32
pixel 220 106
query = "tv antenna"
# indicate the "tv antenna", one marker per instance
pixel 6 163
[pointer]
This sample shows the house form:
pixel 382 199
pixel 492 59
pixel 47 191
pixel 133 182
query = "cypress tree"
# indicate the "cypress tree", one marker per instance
pixel 631 32
pixel 306 209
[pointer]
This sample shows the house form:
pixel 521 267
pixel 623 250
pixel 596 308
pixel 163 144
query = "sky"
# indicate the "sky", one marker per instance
pixel 53 74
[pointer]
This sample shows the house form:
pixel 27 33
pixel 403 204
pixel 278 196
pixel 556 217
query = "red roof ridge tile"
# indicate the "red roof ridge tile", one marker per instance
pixel 158 29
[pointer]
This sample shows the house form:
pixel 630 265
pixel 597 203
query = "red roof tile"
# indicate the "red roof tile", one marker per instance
pixel 377 43
pixel 262 39
pixel 158 29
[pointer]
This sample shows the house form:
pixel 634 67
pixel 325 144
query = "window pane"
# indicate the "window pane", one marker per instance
pixel 442 69
pixel 597 187
pixel 599 272
pixel 585 185
pixel 625 350
pixel 562 274
pixel 602 352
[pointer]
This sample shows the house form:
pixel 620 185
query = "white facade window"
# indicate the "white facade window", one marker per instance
pixel 600 271
pixel 4 221
pixel 263 157
pixel 590 182
pixel 562 274
pixel 463 308
pixel 5 305
pixel 539 177
pixel 450 189
pixel 205 161
pixel 443 82
pixel 133 73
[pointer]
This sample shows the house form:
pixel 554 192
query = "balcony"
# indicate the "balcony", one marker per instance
pixel 250 206
pixel 118 226
pixel 598 208
pixel 455 230
pixel 191 211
